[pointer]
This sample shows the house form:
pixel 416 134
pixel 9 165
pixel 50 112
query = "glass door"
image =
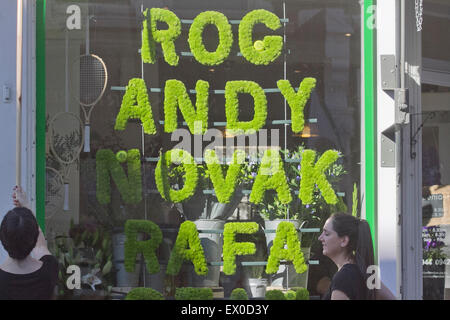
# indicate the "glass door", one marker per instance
pixel 436 152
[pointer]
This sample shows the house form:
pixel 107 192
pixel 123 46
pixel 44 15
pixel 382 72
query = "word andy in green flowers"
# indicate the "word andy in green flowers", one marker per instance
pixel 136 105
pixel 286 246
pixel 270 176
pixel 260 52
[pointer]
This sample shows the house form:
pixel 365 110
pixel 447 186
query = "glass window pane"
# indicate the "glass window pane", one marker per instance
pixel 93 51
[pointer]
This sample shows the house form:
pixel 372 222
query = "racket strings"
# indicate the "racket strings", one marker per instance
pixel 54 192
pixel 66 137
pixel 92 79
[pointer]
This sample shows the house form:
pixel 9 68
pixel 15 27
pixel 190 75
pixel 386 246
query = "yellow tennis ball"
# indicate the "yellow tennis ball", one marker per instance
pixel 258 45
pixel 121 156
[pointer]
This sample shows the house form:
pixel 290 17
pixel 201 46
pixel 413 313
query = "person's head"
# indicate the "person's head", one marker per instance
pixel 19 232
pixel 346 236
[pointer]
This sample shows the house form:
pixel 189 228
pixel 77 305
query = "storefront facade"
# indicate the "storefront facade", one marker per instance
pixel 279 81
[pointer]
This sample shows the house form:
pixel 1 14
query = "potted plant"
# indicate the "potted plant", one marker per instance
pixel 87 246
pixel 255 278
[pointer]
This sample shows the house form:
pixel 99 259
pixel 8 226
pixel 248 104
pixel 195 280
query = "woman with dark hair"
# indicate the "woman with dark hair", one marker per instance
pixel 30 272
pixel 347 241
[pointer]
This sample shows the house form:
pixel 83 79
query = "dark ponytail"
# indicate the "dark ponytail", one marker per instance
pixel 360 245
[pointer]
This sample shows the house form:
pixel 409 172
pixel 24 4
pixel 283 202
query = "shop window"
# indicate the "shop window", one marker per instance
pixel 274 99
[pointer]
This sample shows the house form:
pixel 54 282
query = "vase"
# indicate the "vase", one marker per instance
pixel 257 287
pixel 123 278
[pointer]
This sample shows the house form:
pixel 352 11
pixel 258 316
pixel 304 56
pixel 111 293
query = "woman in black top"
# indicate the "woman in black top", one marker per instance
pixel 347 241
pixel 30 272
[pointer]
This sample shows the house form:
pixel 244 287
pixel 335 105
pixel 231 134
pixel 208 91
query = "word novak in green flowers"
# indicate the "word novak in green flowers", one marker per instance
pixel 136 105
pixel 270 176
pixel 286 246
pixel 267 50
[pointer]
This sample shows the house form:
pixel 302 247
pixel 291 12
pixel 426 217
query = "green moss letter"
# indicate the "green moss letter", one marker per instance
pixel 184 159
pixel 147 247
pixel 225 38
pixel 271 175
pixel 165 37
pixel 297 101
pixel 135 105
pixel 231 248
pixel 286 235
pixel 312 175
pixel 272 44
pixel 232 89
pixel 187 238
pixel 130 188
pixel 224 187
pixel 175 94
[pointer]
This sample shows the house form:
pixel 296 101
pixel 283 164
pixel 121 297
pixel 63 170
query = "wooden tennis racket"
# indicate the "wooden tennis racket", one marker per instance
pixel 66 143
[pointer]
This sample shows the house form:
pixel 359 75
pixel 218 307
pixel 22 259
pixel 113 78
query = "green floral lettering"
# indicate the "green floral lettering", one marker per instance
pixel 175 94
pixel 232 88
pixel 135 105
pixel 165 37
pixel 286 235
pixel 130 188
pixel 271 175
pixel 148 247
pixel 224 187
pixel 225 38
pixel 272 44
pixel 312 175
pixel 187 238
pixel 297 101
pixel 184 159
pixel 231 248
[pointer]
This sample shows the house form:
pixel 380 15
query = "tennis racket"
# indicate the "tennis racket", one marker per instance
pixel 54 192
pixel 92 86
pixel 66 142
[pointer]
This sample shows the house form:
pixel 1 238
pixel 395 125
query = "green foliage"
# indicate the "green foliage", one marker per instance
pixel 165 37
pixel 147 247
pixel 225 38
pixel 275 295
pixel 290 295
pixel 88 246
pixel 189 293
pixel 301 294
pixel 187 238
pixel 297 100
pixel 271 175
pixel 286 235
pixel 175 94
pixel 186 161
pixel 231 248
pixel 136 105
pixel 144 294
pixel 239 294
pixel 224 187
pixel 130 188
pixel 232 89
pixel 272 44
pixel 312 175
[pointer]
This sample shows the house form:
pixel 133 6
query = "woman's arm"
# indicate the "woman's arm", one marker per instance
pixel 20 200
pixel 339 295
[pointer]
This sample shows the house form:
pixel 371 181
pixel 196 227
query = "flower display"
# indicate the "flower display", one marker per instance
pixel 187 238
pixel 225 38
pixel 232 89
pixel 175 94
pixel 147 247
pixel 272 44
pixel 136 105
